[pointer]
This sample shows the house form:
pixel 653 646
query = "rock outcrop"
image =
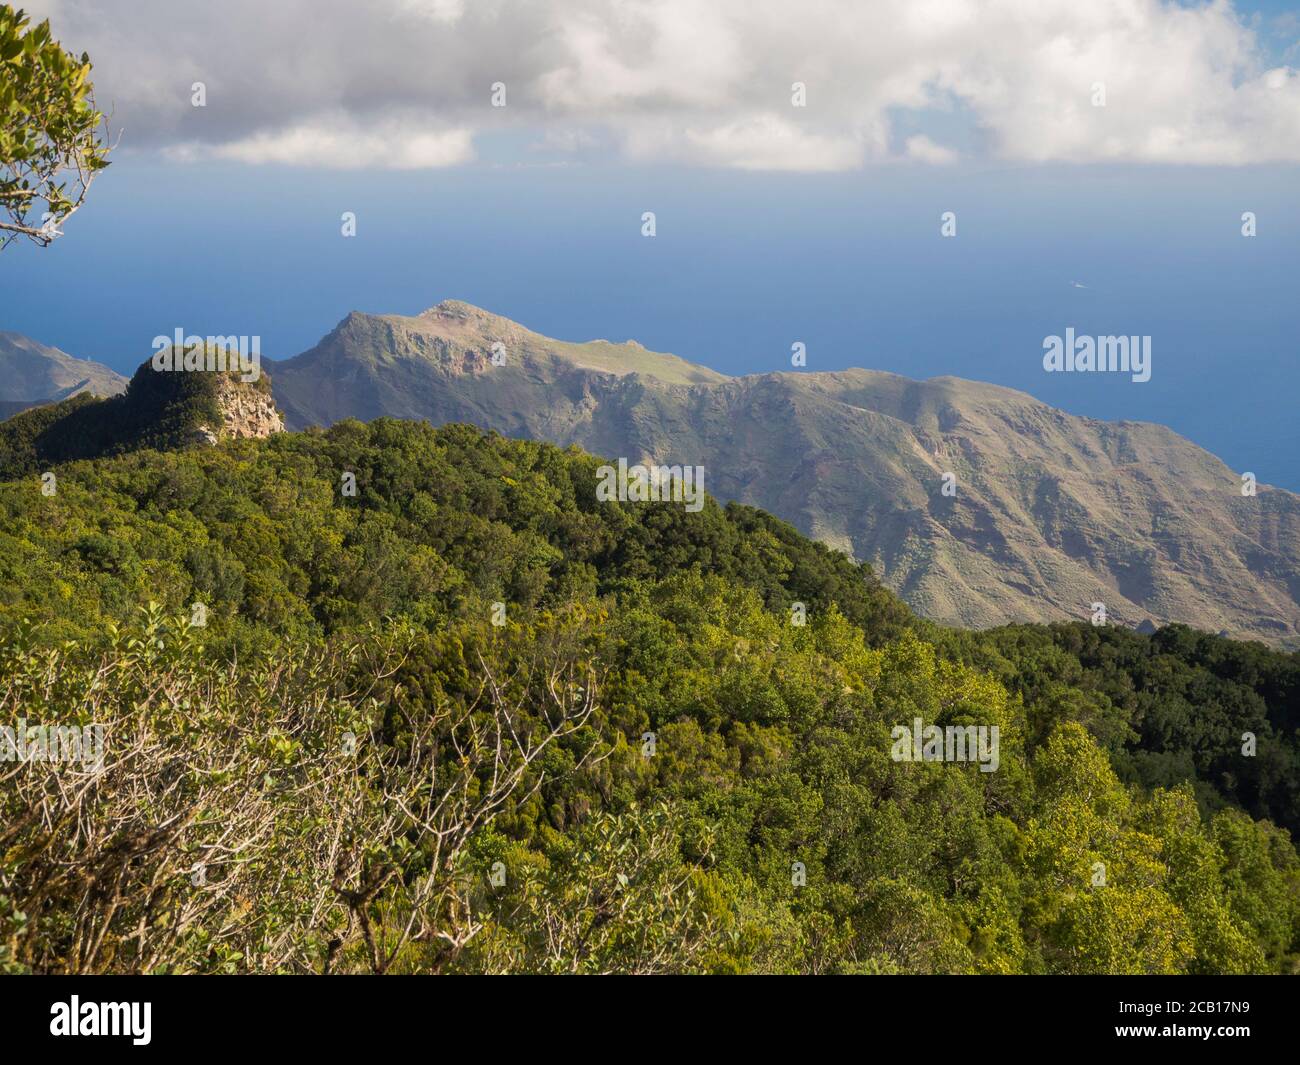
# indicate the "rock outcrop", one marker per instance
pixel 246 413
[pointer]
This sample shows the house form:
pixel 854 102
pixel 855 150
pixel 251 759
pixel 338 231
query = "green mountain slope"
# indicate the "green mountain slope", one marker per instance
pixel 1052 512
pixel 720 788
pixel 440 519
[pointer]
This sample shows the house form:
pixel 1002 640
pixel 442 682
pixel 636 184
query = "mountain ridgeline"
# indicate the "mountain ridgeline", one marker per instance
pixel 1052 513
pixel 33 373
pixel 1046 514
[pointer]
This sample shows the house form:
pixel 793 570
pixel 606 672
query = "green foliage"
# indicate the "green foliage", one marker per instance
pixel 614 895
pixel 1174 707
pixel 50 149
pixel 668 773
pixel 445 521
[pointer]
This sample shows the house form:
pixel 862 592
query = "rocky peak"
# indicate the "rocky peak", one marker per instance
pixel 459 309
pixel 458 319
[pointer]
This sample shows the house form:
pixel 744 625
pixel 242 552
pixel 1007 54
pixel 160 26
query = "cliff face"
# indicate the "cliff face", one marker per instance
pixel 247 412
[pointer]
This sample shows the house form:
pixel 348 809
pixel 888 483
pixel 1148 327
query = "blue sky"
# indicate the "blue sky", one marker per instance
pixel 749 257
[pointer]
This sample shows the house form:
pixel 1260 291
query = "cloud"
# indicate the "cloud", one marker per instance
pixel 407 83
pixel 762 142
pixel 341 143
pixel 922 149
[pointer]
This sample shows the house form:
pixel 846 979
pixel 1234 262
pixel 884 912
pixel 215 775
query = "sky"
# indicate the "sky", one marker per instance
pixel 774 223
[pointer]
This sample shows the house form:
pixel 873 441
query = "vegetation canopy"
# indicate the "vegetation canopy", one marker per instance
pixel 472 720
pixel 52 139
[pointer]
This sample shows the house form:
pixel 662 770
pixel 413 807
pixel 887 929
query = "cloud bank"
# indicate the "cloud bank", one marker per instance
pixel 407 84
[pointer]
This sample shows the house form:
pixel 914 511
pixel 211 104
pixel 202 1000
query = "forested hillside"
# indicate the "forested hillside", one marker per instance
pixel 471 719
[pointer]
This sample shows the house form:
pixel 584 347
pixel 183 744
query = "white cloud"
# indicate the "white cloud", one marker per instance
pixel 340 143
pixel 763 142
pixel 677 80
pixel 922 149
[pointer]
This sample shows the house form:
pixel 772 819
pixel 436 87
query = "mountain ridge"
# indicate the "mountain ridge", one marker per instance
pixel 1053 512
pixel 33 373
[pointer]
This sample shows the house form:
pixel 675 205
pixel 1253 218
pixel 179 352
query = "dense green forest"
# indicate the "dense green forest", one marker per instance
pixel 470 719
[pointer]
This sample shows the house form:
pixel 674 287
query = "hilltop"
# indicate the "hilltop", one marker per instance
pixel 157 409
